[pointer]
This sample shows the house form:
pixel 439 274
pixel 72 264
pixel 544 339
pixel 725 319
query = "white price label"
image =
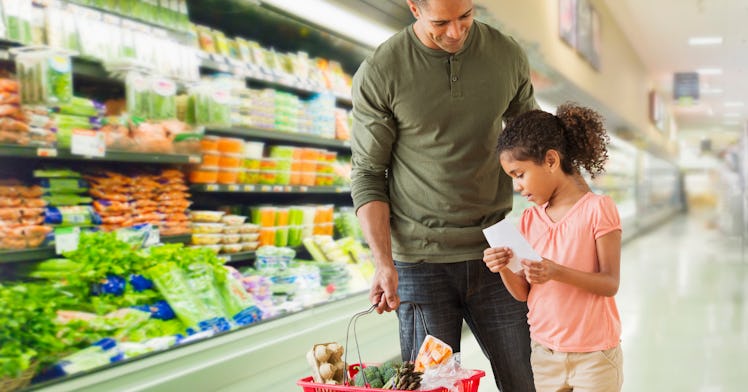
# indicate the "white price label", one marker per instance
pixel 153 238
pixel 66 239
pixel 88 143
pixel 234 188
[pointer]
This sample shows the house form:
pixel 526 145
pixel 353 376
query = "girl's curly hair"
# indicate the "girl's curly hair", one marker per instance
pixel 576 132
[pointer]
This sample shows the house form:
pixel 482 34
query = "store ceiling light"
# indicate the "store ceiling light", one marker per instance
pixel 734 104
pixel 710 71
pixel 337 19
pixel 732 114
pixel 699 41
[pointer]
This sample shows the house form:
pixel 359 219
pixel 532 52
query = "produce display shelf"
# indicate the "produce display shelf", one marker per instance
pixel 47 252
pixel 235 257
pixel 247 188
pixel 8 150
pixel 274 135
pixel 116 18
pixel 218 63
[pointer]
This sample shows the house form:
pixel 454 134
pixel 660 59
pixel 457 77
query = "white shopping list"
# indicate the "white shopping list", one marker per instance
pixel 505 234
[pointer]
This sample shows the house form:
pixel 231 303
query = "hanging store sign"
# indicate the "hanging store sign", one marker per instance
pixel 686 87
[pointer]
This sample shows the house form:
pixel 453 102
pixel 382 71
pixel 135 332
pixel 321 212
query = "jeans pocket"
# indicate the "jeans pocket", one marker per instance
pixel 612 355
pixel 403 265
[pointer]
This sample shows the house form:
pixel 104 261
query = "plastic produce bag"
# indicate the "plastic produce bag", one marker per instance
pixel 172 284
pixel 448 375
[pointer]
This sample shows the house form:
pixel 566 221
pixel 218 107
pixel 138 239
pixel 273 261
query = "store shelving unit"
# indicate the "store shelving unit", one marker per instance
pixel 11 151
pixel 281 136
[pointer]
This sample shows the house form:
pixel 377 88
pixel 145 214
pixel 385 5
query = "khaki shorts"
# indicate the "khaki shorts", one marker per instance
pixel 597 371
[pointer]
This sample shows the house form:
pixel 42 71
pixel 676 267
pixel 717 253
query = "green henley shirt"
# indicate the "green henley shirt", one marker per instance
pixel 424 138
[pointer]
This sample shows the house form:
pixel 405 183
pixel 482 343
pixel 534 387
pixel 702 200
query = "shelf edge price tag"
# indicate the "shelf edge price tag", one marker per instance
pixel 211 187
pixel 66 239
pixel 233 188
pixel 46 152
pixel 249 188
pixel 88 143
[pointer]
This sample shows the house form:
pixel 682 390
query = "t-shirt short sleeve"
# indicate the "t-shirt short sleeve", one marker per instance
pixel 607 219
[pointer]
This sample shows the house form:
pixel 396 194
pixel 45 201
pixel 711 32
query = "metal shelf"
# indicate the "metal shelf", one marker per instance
pixel 247 188
pixel 236 257
pixel 9 150
pixel 296 138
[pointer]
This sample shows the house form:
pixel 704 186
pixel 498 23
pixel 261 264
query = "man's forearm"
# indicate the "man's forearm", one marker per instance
pixel 374 218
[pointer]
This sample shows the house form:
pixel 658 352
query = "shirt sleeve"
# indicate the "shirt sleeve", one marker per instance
pixel 524 98
pixel 373 133
pixel 607 219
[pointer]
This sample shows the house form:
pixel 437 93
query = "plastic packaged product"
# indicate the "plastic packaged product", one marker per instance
pixel 250 246
pixel 207 228
pixel 231 229
pixel 249 228
pixel 281 236
pixel 264 215
pixel 204 175
pixel 206 216
pixel 233 220
pixel 231 248
pixel 230 238
pixel 268 177
pixel 253 150
pixel 137 94
pixel 206 239
pixel 267 236
pixel 250 237
pixel 46 76
pixel 272 257
pixel 209 144
pixel 211 159
pixel 228 176
pixel 282 216
pixel 231 161
pixel 295 235
pixel 227 145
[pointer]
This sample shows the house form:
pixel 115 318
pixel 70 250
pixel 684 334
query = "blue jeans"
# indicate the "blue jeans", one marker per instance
pixel 447 293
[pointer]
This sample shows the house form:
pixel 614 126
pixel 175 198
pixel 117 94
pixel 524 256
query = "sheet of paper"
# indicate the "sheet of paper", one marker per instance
pixel 505 234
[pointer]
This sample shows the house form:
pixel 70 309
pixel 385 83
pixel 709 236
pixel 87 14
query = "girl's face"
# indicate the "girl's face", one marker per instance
pixel 531 180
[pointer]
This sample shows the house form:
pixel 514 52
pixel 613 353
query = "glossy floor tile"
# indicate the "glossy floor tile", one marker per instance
pixel 684 310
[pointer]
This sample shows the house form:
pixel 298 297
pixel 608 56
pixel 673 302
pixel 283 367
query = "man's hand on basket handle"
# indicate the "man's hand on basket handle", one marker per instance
pixel 383 291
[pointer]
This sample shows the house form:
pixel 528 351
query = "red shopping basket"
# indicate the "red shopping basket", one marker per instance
pixel 307 384
pixel 469 384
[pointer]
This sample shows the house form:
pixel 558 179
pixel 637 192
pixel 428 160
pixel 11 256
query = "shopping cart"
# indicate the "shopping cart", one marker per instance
pixel 307 384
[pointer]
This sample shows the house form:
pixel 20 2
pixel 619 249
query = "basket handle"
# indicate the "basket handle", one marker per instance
pixel 417 309
pixel 417 312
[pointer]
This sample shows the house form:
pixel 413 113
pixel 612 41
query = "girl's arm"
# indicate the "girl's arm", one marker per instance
pixel 496 260
pixel 605 282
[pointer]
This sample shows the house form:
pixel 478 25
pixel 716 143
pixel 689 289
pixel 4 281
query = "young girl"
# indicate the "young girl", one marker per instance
pixel 574 322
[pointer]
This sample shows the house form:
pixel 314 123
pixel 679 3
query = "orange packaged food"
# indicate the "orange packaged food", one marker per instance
pixel 204 175
pixel 230 145
pixel 211 159
pixel 231 161
pixel 433 352
pixel 228 176
pixel 209 144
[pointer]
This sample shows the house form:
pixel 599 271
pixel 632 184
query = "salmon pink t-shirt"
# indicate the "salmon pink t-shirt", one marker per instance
pixel 563 317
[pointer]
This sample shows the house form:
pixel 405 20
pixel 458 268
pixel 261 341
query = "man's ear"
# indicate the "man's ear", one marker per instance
pixel 413 9
pixel 552 160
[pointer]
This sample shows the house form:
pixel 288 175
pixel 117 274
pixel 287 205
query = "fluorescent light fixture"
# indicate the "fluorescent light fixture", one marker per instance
pixel 731 122
pixel 710 71
pixel 731 114
pixel 734 104
pixel 698 41
pixel 337 19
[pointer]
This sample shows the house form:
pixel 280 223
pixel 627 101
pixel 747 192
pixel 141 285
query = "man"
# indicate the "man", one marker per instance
pixel 428 106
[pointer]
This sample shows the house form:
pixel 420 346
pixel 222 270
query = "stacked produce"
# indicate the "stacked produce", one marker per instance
pixel 223 233
pixel 160 199
pixel 21 216
pixel 65 192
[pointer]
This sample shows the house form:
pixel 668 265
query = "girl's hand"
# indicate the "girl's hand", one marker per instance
pixel 539 272
pixel 496 259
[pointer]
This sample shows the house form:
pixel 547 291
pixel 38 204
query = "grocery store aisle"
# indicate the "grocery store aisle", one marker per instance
pixel 683 307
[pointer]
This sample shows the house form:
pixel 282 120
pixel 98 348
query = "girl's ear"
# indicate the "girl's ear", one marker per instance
pixel 552 160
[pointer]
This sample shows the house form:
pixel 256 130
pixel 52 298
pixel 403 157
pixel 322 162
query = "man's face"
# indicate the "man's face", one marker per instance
pixel 443 24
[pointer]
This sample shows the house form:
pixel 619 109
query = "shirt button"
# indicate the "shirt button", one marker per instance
pixel 454 78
